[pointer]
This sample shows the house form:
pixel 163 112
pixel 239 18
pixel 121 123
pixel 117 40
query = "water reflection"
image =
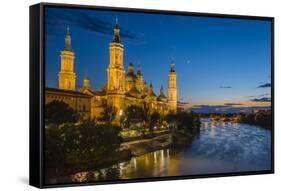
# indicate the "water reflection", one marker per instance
pixel 221 147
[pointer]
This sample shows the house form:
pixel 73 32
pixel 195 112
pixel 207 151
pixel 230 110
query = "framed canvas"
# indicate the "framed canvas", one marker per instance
pixel 131 95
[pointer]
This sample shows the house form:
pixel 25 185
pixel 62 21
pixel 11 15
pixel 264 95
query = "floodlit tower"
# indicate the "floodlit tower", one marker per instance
pixel 67 76
pixel 115 70
pixel 172 88
pixel 116 74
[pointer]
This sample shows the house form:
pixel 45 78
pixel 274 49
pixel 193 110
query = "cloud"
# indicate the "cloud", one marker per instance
pixel 225 87
pixel 232 104
pixel 56 20
pixel 259 96
pixel 263 99
pixel 266 94
pixel 250 96
pixel 265 85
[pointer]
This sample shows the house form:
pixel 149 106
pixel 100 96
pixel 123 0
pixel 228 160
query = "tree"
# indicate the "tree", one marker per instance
pixel 154 118
pixel 171 118
pixel 80 144
pixel 262 118
pixel 183 121
pixel 109 113
pixel 91 142
pixel 58 112
pixel 146 114
pixel 55 154
pixel 133 114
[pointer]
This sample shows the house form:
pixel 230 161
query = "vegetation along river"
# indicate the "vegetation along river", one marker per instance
pixel 220 147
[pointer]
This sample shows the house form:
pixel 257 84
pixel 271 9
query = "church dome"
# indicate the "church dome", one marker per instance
pixel 162 96
pixel 131 74
pixel 134 92
pixel 150 91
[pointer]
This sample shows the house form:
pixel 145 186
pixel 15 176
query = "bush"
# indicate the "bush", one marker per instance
pixel 261 118
pixel 84 143
pixel 184 122
pixel 58 112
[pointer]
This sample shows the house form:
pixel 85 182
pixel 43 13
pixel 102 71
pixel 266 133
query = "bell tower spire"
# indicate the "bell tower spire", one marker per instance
pixel 115 69
pixel 116 36
pixel 172 88
pixel 67 76
pixel 116 73
pixel 67 41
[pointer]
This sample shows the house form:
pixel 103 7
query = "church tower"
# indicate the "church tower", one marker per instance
pixel 145 88
pixel 130 77
pixel 67 76
pixel 115 70
pixel 139 81
pixel 172 89
pixel 86 82
pixel 116 74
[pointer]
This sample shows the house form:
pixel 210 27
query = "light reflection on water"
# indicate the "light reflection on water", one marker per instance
pixel 221 147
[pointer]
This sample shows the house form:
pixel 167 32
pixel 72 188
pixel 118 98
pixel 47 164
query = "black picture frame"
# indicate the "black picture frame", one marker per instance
pixel 37 99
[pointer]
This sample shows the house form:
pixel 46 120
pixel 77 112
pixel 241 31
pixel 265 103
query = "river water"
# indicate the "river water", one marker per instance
pixel 221 147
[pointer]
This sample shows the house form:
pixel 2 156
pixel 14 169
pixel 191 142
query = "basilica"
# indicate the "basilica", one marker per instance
pixel 122 89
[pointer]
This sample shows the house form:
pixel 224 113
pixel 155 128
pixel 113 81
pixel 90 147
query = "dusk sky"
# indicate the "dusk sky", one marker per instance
pixel 219 62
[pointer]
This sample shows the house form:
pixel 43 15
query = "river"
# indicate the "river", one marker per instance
pixel 221 147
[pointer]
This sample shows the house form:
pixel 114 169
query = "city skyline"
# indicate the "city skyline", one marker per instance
pixel 231 55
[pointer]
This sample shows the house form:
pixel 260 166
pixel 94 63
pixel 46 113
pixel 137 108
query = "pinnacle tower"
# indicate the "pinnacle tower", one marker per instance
pixel 172 88
pixel 67 76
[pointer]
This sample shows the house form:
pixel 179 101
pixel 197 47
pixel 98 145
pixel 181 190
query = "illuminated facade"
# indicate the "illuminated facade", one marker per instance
pixel 78 101
pixel 121 89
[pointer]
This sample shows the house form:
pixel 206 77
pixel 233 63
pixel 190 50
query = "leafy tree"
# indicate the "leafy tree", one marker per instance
pixel 146 114
pixel 133 114
pixel 55 153
pixel 83 143
pixel 109 113
pixel 262 118
pixel 154 118
pixel 171 118
pixel 58 112
pixel 183 121
pixel 90 142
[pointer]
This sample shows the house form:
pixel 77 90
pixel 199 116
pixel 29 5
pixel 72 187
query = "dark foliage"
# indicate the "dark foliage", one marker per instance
pixel 154 118
pixel 108 114
pixel 262 118
pixel 84 143
pixel 58 112
pixel 184 122
pixel 133 114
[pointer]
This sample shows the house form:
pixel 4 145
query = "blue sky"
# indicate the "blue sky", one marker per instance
pixel 217 60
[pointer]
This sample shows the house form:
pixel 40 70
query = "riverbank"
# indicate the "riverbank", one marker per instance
pixel 126 151
pixel 144 146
